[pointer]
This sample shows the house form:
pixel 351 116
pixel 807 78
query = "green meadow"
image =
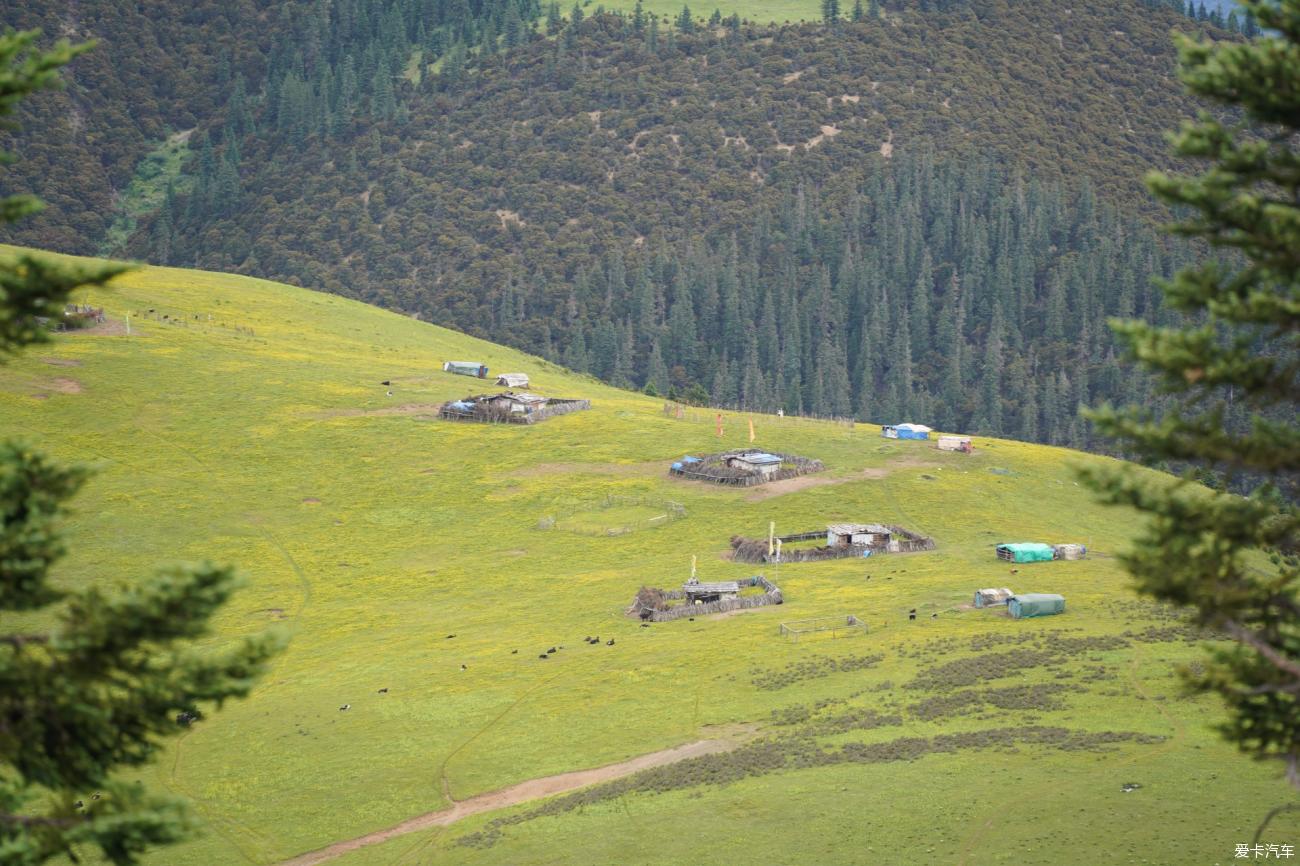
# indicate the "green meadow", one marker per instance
pixel 757 11
pixel 244 421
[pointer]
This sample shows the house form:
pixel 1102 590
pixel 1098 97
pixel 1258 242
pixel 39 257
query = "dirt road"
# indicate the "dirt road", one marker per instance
pixel 533 789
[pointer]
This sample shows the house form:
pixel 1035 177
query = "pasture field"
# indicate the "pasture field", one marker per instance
pixel 757 11
pixel 404 553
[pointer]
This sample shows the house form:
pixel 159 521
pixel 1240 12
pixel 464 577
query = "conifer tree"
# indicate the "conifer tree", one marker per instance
pixel 1230 559
pixel 989 414
pixel 97 692
pixel 685 23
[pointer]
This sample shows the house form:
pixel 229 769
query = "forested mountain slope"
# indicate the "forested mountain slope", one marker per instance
pixel 160 67
pixel 894 217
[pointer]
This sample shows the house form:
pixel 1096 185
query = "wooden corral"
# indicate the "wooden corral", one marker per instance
pixel 843 540
pixel 745 467
pixel 510 407
pixel 835 626
pixel 655 605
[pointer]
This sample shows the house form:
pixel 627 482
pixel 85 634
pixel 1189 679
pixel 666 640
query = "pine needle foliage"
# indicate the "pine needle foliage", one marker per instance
pixel 98 691
pixel 1230 368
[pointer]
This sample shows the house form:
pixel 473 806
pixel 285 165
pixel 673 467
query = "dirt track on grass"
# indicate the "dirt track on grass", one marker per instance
pixel 533 789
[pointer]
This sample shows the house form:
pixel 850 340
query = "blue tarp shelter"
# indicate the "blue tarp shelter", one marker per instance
pixel 1026 551
pixel 1032 604
pixel 905 431
pixel 466 368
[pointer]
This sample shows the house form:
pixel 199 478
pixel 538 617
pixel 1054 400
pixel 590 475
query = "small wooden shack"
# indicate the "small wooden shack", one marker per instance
pixel 466 368
pixel 955 443
pixel 703 593
pixel 753 461
pixel 848 534
pixel 992 597
pixel 513 380
pixel 515 402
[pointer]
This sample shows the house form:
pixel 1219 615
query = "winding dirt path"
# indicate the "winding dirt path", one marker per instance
pixel 533 789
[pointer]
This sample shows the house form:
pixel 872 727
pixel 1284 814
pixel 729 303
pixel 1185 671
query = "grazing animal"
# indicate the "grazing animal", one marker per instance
pixel 449 637
pixel 1015 571
pixel 462 667
pixel 514 652
pixel 345 707
pixel 645 625
pixel 692 619
pixel 913 610
pixel 383 691
pixel 78 805
pixel 543 656
pixel 385 383
pixel 551 650
pixel 596 639
pixel 94 796
pixel 934 616
pixel 911 616
pixel 609 642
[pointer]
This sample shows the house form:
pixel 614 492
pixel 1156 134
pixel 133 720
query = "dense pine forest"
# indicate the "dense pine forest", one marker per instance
pixel 924 213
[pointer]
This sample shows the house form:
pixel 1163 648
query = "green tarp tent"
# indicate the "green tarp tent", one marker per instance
pixel 1035 604
pixel 1026 551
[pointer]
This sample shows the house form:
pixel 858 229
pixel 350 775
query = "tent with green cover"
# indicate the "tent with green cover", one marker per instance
pixel 1035 604
pixel 1026 551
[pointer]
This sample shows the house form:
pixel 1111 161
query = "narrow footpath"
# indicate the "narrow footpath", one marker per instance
pixel 533 789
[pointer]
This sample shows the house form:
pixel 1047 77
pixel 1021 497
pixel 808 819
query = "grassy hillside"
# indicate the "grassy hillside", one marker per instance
pixel 243 420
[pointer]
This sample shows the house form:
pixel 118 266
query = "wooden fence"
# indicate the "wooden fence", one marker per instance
pixel 755 549
pixel 771 595
pixel 485 414
pixel 833 625
pixel 712 469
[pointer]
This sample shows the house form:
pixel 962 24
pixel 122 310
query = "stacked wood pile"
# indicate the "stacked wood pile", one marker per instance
pixel 755 549
pixel 652 604
pixel 712 468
